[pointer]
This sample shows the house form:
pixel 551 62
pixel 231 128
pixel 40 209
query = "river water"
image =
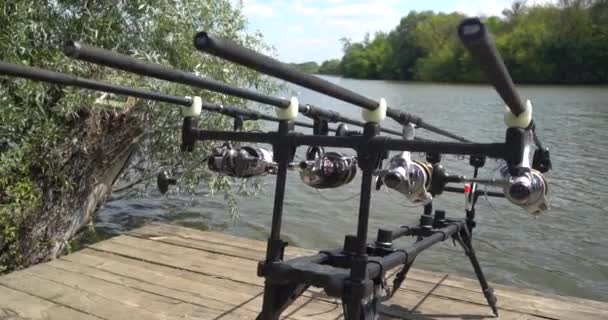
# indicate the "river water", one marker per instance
pixel 563 252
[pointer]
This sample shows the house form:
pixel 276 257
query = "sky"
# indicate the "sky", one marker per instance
pixel 310 30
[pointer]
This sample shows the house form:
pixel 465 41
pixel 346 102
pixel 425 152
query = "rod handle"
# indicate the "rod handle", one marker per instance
pixel 478 41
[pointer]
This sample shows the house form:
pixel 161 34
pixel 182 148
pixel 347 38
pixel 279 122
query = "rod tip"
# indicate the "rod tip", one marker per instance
pixel 71 48
pixel 471 29
pixel 201 40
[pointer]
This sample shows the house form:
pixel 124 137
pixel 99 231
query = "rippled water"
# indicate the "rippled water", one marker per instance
pixel 563 252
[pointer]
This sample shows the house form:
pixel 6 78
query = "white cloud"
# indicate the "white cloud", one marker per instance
pixel 301 8
pixel 253 8
pixel 354 20
pixel 295 29
pixel 478 8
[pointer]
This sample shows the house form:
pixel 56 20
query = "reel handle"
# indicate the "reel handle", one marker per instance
pixel 478 41
pixel 164 181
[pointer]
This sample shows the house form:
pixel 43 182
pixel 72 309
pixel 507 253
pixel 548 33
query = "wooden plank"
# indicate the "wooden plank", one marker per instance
pixel 15 304
pixel 219 294
pixel 170 272
pixel 217 265
pixel 193 259
pixel 538 306
pixel 189 285
pixel 418 280
pixel 211 241
pixel 100 299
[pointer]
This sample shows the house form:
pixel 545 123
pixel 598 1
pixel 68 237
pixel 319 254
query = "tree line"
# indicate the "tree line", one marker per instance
pixel 564 43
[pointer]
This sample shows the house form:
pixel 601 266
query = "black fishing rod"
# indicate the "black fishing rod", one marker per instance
pixel 231 51
pixel 14 70
pixel 119 61
pixel 473 35
pixel 478 41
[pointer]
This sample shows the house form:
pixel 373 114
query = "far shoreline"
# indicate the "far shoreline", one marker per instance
pixel 526 84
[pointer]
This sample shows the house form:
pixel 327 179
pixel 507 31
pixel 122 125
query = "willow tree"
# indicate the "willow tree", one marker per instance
pixel 62 149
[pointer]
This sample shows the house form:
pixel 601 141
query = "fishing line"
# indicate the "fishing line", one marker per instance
pixel 496 212
pixel 400 203
pixel 336 200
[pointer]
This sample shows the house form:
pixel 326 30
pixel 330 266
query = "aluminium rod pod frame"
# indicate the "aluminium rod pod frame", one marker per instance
pixel 355 273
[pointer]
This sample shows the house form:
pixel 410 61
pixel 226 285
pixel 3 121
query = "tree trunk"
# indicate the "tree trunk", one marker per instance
pixel 99 148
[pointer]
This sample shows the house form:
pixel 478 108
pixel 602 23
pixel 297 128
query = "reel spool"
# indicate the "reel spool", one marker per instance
pixel 528 190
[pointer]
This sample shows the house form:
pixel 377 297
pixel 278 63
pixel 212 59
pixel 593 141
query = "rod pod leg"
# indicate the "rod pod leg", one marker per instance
pixel 464 239
pixel 363 309
pixel 400 278
pixel 278 297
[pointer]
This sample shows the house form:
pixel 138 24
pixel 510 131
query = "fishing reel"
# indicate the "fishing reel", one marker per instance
pixel 324 170
pixel 527 190
pixel 243 162
pixel 410 178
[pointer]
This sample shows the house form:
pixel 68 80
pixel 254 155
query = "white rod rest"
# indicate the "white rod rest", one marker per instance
pixel 195 109
pixel 375 116
pixel 289 113
pixel 521 121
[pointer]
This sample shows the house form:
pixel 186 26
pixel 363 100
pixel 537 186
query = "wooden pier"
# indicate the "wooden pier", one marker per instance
pixel 168 272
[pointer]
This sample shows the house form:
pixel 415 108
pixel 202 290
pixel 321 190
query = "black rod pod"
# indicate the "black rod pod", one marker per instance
pixel 119 61
pixel 231 51
pixel 476 39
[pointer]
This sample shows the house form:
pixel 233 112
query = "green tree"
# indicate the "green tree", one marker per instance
pixel 355 63
pixel 552 43
pixel 405 49
pixel 331 67
pixel 60 149
pixel 308 67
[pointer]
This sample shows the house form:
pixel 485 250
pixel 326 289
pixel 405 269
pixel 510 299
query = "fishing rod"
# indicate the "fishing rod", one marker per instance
pixel 36 74
pixel 231 51
pixel 119 61
pixel 475 38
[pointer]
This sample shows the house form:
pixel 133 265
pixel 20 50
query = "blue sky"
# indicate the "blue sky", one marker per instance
pixel 310 30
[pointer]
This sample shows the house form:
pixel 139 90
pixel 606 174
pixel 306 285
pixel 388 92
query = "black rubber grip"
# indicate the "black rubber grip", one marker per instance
pixel 476 39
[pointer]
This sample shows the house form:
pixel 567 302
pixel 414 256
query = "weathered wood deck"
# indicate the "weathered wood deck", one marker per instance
pixel 168 272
